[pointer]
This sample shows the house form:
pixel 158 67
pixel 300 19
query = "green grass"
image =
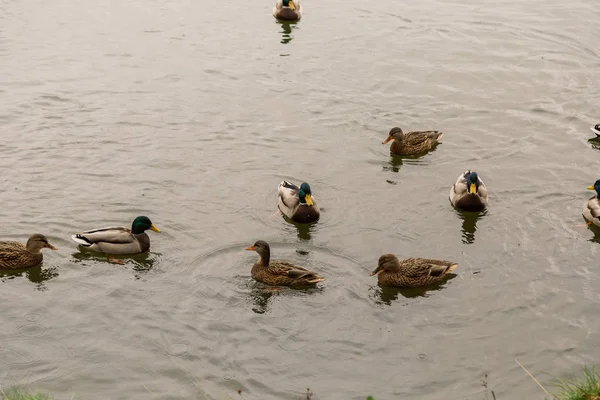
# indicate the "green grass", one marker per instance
pixel 20 394
pixel 587 388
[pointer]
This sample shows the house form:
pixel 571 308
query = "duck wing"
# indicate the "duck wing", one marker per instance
pixel 112 234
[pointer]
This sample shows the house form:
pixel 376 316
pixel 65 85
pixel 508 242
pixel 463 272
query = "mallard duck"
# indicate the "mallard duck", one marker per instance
pixel 596 129
pixel 591 208
pixel 279 273
pixel 411 272
pixel 412 143
pixel 297 203
pixel 287 10
pixel 15 255
pixel 469 192
pixel 117 239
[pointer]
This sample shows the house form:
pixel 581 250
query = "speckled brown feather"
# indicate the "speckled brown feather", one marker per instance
pixel 415 272
pixel 14 255
pixel 417 142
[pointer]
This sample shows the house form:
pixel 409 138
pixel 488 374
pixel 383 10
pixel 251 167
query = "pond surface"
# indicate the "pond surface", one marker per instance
pixel 192 113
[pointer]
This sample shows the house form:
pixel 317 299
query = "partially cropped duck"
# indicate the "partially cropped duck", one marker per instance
pixel 118 239
pixel 15 255
pixel 469 192
pixel 411 272
pixel 412 143
pixel 280 273
pixel 297 203
pixel 287 10
pixel 591 208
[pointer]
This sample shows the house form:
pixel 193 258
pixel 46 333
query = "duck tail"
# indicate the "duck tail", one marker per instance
pixel 82 240
pixel 316 279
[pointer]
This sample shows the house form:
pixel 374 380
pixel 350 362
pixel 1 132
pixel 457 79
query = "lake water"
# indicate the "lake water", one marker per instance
pixel 192 112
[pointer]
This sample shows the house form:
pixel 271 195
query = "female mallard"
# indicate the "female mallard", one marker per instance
pixel 280 273
pixel 297 203
pixel 287 10
pixel 412 143
pixel 117 239
pixel 591 208
pixel 15 255
pixel 469 192
pixel 411 272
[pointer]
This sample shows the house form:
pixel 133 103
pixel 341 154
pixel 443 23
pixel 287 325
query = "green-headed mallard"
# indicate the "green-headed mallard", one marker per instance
pixel 412 143
pixel 287 10
pixel 411 272
pixel 591 208
pixel 469 192
pixel 279 273
pixel 15 255
pixel 297 203
pixel 118 239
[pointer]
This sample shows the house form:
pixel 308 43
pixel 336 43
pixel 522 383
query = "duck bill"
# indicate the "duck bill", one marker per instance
pixel 376 271
pixel 51 247
pixel 309 200
pixel 155 229
pixel 590 188
pixel 250 248
pixel 472 188
pixel 292 6
pixel 387 140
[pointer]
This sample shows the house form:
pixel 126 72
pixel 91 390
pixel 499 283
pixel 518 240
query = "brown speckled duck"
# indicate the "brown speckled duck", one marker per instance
pixel 15 255
pixel 280 273
pixel 412 143
pixel 411 272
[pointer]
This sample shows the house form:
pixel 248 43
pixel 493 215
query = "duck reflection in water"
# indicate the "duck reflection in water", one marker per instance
pixel 469 224
pixel 36 275
pixel 142 262
pixel 388 294
pixel 286 31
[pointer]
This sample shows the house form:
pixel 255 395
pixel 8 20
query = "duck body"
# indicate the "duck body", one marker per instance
pixel 15 255
pixel 412 143
pixel 591 208
pixel 469 193
pixel 412 272
pixel 297 203
pixel 280 273
pixel 118 239
pixel 287 10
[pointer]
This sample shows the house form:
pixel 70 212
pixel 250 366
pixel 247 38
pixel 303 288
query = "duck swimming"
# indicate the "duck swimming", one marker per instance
pixel 412 143
pixel 118 239
pixel 469 193
pixel 411 272
pixel 280 273
pixel 591 208
pixel 287 10
pixel 297 203
pixel 15 255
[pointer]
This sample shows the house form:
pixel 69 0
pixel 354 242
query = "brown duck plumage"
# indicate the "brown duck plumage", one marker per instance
pixel 412 143
pixel 412 272
pixel 279 273
pixel 15 255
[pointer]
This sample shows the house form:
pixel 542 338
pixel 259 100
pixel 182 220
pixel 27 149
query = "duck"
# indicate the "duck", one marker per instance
pixel 287 10
pixel 280 273
pixel 15 255
pixel 412 272
pixel 596 129
pixel 469 193
pixel 297 203
pixel 118 239
pixel 591 208
pixel 412 143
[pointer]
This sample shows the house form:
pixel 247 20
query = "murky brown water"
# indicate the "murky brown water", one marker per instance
pixel 193 112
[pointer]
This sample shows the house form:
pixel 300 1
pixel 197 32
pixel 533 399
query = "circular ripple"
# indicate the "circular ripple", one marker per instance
pixel 32 317
pixel 31 330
